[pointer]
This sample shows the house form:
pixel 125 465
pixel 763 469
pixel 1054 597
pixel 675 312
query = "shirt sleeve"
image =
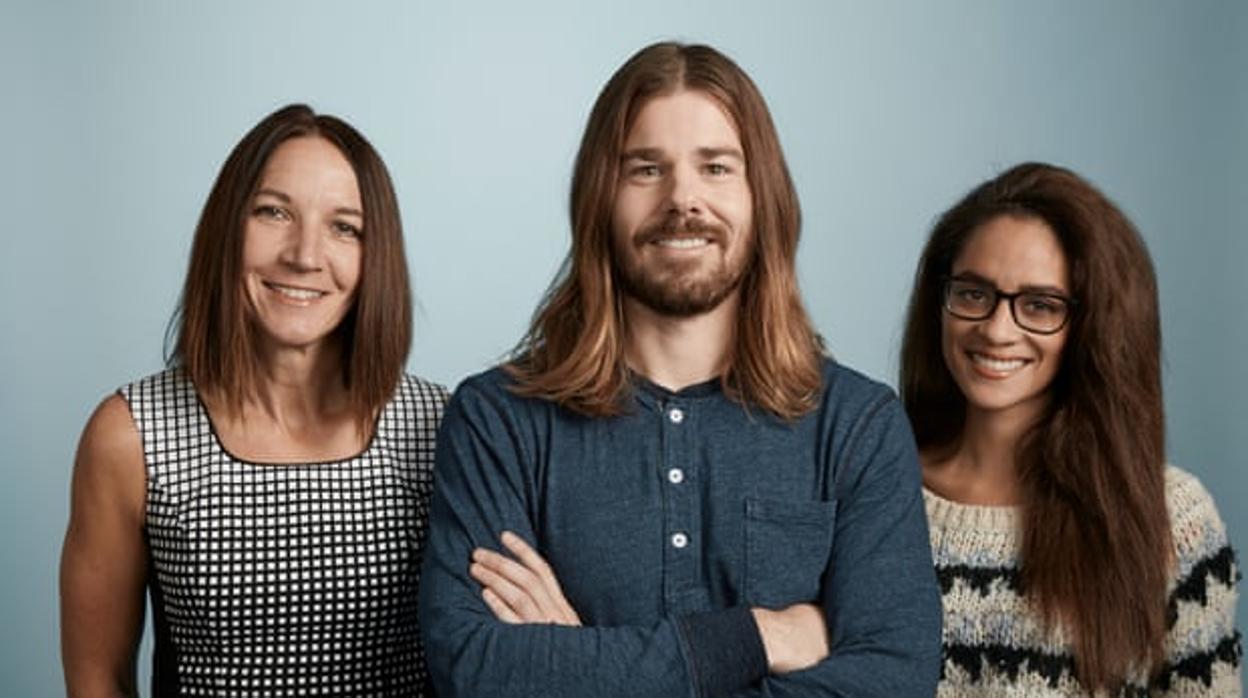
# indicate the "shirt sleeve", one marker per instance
pixel 1203 648
pixel 879 591
pixel 482 487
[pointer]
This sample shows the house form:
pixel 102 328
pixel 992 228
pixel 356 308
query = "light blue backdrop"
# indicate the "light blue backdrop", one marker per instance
pixel 117 116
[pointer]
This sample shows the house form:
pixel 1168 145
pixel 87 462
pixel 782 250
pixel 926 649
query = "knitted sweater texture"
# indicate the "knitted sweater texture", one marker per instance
pixel 995 645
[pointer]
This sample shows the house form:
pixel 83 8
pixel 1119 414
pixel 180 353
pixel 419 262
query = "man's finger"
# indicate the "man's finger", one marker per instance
pixel 514 596
pixel 537 564
pixel 500 608
pixel 518 574
pixel 528 556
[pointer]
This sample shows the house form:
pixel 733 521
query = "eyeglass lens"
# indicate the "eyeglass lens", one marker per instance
pixel 1037 312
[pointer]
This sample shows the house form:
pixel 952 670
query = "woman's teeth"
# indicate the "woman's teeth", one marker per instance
pixel 998 365
pixel 301 294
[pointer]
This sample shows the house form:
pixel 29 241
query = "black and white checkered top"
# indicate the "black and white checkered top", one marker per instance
pixel 284 580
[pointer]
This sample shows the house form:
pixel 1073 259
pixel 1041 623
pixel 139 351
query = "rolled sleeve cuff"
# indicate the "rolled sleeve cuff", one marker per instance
pixel 725 650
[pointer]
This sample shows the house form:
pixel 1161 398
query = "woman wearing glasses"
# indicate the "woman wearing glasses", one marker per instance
pixel 1071 558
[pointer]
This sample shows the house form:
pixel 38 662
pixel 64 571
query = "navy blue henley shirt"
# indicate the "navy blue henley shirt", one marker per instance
pixel 665 526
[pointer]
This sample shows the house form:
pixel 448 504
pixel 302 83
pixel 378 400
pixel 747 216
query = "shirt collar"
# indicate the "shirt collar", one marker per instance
pixel 652 394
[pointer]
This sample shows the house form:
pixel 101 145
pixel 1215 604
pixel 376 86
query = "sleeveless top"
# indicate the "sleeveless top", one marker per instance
pixel 284 580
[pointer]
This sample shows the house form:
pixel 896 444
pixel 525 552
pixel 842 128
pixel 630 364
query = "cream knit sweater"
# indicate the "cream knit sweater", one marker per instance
pixel 994 646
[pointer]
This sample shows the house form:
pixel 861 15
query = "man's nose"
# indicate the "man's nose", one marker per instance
pixel 685 192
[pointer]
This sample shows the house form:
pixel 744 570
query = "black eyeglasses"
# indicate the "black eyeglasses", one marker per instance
pixel 1039 313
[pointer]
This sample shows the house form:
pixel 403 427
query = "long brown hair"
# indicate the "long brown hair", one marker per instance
pixel 215 341
pixel 573 352
pixel 1096 542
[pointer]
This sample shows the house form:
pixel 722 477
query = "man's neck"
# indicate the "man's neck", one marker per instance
pixel 676 352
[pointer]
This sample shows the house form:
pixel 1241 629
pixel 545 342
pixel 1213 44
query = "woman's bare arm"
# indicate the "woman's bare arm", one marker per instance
pixel 104 559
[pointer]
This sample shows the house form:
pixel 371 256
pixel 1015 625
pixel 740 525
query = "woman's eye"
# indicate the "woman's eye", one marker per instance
pixel 272 212
pixel 717 169
pixel 1042 306
pixel 649 170
pixel 346 229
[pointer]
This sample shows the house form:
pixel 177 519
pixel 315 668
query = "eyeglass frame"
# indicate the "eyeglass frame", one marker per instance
pixel 998 296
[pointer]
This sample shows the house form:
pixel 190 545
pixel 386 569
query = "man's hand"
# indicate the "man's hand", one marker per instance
pixel 794 638
pixel 523 590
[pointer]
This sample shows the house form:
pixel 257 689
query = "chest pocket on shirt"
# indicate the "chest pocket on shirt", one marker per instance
pixel 787 546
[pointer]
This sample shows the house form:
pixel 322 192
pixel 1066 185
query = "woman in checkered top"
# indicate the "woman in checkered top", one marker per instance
pixel 268 489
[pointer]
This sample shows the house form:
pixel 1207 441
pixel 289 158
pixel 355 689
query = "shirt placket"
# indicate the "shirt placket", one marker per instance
pixel 681 535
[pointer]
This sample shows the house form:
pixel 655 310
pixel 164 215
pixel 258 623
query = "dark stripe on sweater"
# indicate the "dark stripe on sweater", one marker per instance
pixel 974 659
pixel 978 578
pixel 1199 666
pixel 1011 661
pixel 1194 587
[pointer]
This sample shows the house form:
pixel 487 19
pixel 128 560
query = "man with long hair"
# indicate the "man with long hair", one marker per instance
pixel 670 490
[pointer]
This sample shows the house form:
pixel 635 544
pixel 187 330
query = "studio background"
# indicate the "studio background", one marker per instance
pixel 117 116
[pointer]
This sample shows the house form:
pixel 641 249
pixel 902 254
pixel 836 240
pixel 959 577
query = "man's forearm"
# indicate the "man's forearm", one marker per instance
pixel 702 655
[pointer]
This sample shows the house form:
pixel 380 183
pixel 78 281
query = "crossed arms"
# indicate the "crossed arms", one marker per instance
pixel 876 595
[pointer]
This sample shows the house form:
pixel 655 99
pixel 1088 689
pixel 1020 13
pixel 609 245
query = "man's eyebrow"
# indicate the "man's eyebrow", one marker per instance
pixel 707 153
pixel 651 154
pixel 722 152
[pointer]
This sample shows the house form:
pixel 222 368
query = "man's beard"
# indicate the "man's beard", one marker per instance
pixel 678 288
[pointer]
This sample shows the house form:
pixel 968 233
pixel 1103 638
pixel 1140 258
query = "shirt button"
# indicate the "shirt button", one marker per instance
pixel 676 415
pixel 675 476
pixel 679 540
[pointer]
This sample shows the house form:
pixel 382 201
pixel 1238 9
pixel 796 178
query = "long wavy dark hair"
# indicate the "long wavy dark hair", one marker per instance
pixel 1096 541
pixel 574 350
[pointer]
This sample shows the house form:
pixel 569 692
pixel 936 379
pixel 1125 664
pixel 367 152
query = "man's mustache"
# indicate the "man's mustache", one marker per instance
pixel 682 226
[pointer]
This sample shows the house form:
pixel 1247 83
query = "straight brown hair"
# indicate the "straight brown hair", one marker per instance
pixel 1096 542
pixel 215 339
pixel 573 352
